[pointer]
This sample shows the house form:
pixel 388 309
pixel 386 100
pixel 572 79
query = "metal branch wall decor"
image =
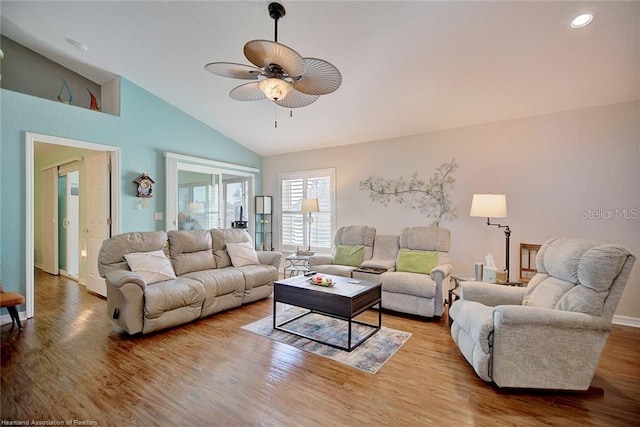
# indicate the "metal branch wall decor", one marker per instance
pixel 430 197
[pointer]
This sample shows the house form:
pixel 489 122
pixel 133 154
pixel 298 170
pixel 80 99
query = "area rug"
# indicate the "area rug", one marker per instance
pixel 368 357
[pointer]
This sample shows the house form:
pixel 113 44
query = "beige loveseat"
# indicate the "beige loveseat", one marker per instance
pixel 159 279
pixel 416 264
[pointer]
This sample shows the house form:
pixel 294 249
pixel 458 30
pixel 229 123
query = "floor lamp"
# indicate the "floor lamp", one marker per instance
pixel 493 206
pixel 309 206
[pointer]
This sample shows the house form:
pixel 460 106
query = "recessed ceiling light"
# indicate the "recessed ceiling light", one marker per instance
pixel 81 47
pixel 582 20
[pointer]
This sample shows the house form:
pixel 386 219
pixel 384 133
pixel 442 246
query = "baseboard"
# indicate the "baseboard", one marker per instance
pixel 6 319
pixel 634 322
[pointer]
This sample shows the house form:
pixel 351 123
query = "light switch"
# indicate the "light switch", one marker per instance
pixel 159 216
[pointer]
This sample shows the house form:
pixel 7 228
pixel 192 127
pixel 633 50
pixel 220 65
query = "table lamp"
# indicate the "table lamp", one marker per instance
pixel 493 206
pixel 308 206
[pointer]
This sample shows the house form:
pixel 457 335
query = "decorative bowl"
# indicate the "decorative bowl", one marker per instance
pixel 320 280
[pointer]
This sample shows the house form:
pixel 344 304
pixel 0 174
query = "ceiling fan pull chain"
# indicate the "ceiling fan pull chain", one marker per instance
pixel 290 113
pixel 275 113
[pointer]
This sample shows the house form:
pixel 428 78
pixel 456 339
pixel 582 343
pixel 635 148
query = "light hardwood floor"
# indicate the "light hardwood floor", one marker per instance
pixel 71 363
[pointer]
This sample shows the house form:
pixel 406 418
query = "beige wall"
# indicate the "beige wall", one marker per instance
pixel 555 169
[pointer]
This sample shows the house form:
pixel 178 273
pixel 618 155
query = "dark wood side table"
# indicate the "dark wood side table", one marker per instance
pixel 454 292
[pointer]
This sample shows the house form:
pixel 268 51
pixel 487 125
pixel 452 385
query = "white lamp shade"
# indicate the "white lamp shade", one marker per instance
pixel 275 89
pixel 489 205
pixel 310 205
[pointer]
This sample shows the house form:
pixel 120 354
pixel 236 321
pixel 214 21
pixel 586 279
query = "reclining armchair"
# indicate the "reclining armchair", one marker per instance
pixel 353 244
pixel 549 335
pixel 422 272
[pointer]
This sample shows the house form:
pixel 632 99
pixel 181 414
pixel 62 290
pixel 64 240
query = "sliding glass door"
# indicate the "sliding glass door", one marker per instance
pixel 204 194
pixel 198 200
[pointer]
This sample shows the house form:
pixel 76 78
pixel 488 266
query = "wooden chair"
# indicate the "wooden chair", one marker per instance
pixel 10 300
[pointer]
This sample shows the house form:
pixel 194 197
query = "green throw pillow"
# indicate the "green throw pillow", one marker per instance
pixel 348 255
pixel 416 261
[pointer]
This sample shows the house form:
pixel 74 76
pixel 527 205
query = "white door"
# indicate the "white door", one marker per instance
pixel 98 217
pixel 49 220
pixel 72 223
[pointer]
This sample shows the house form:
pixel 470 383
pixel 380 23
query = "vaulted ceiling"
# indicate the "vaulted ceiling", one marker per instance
pixel 407 67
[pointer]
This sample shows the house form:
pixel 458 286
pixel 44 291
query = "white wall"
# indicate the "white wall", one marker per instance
pixel 555 169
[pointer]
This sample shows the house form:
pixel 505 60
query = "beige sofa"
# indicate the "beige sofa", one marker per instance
pixel 159 279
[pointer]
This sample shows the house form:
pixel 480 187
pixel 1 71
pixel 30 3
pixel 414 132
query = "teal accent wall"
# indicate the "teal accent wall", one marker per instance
pixel 147 127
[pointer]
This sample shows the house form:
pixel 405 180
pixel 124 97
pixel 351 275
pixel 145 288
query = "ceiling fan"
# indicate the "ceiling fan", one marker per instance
pixel 282 75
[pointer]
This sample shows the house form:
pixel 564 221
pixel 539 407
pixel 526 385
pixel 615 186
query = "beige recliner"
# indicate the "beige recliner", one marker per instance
pixel 422 272
pixel 549 335
pixel 353 244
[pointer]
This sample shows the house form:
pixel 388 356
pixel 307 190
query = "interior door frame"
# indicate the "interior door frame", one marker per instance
pixel 30 140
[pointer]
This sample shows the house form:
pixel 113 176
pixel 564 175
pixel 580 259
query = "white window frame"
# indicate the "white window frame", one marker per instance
pixel 305 175
pixel 175 162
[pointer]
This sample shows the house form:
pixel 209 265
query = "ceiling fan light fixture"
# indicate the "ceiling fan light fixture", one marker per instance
pixel 275 89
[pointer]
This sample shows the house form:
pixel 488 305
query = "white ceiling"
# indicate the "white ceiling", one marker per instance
pixel 408 67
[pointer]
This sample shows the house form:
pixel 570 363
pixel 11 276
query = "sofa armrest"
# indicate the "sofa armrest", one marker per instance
pixel 536 347
pixel 118 278
pixel 270 258
pixel 125 299
pixel 320 259
pixel 439 272
pixel 524 316
pixel 491 294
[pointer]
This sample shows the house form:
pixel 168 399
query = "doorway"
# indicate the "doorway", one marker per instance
pixel 51 147
pixel 69 222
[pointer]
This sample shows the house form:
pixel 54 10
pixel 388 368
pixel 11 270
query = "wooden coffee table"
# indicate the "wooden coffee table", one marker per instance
pixel 345 300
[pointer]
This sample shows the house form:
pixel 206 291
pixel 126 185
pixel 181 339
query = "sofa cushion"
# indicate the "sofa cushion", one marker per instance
pixel 191 250
pixel 258 275
pixel 416 261
pixel 242 254
pixel 352 235
pixel 154 266
pixel 220 239
pixel 600 265
pixel 574 275
pixel 336 270
pixel 420 285
pixel 425 238
pixel 223 287
pixel 348 255
pixel 112 252
pixel 171 295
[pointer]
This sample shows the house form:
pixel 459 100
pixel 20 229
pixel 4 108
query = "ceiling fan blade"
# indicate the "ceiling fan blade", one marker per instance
pixel 263 53
pixel 235 71
pixel 247 92
pixel 320 78
pixel 295 99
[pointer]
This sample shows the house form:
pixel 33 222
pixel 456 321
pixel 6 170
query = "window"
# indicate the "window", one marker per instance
pixel 204 194
pixel 294 227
